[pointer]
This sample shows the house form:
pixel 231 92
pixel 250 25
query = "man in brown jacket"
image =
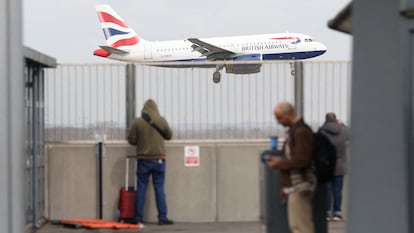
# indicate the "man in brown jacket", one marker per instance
pixel 297 177
pixel 148 133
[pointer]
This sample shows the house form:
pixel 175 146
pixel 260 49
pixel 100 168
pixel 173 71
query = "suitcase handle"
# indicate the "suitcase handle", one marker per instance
pixel 127 172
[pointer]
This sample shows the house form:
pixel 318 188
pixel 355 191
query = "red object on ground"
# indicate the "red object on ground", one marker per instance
pixel 98 224
pixel 126 204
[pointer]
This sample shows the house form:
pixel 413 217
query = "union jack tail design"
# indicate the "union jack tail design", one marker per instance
pixel 116 31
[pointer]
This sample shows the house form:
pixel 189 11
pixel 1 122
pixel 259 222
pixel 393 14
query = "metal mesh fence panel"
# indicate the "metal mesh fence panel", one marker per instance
pixel 87 101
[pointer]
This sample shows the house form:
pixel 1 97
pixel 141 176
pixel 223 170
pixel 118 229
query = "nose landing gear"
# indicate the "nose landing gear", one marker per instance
pixel 292 68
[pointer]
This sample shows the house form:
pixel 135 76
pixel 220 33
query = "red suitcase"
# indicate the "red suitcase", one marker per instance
pixel 127 196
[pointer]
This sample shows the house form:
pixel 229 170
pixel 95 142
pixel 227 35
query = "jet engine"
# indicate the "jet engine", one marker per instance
pixel 245 68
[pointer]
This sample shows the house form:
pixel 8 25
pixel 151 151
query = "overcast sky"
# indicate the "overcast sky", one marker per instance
pixel 69 30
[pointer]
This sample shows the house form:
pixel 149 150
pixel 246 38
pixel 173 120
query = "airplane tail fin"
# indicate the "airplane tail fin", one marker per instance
pixel 117 32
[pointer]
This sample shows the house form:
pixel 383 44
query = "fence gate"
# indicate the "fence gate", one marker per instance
pixel 34 143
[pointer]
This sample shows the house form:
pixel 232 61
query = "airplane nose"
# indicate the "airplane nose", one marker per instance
pixel 321 47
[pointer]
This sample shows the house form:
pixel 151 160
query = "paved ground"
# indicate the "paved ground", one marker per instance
pixel 243 227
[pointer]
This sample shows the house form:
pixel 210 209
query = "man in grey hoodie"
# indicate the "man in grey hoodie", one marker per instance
pixel 338 134
pixel 148 133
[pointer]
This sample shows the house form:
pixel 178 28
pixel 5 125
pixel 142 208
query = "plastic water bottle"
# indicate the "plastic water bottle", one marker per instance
pixel 273 142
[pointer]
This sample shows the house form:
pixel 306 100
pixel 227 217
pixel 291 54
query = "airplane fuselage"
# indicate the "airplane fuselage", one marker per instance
pixel 279 46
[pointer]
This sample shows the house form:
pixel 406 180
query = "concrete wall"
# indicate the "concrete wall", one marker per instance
pixel 225 187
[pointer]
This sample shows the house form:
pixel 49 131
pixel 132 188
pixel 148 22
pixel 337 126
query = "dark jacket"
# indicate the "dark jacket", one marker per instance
pixel 148 141
pixel 338 134
pixel 301 143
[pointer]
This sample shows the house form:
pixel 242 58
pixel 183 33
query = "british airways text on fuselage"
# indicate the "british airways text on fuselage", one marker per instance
pixel 263 47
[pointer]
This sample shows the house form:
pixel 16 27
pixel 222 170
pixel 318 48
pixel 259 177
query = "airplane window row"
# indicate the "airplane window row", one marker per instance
pixel 262 43
pixel 171 49
pixel 226 46
pixel 308 40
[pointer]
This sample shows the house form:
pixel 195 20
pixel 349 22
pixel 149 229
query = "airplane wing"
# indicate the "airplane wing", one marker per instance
pixel 212 52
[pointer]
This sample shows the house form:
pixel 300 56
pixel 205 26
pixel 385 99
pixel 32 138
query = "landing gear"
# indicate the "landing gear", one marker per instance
pixel 216 77
pixel 217 74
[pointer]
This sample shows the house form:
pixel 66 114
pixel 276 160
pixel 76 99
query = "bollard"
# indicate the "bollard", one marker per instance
pixel 272 207
pixel 319 209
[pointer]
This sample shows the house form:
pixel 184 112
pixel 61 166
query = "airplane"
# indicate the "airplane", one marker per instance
pixel 124 44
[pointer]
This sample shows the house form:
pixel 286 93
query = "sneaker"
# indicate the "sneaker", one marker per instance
pixel 328 216
pixel 337 218
pixel 165 222
pixel 136 221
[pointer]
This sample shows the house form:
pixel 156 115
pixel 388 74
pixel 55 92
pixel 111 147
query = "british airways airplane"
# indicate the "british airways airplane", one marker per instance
pixel 124 44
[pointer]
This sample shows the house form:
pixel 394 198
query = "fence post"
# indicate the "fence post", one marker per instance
pixel 130 94
pixel 298 76
pixel 319 200
pixel 99 155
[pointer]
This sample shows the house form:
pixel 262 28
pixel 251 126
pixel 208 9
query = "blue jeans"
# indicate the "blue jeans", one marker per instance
pixel 334 189
pixel 145 169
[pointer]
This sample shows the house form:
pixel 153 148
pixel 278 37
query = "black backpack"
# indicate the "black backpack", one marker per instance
pixel 325 158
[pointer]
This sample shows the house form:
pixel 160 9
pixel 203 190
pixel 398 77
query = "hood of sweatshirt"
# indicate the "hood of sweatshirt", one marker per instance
pixel 151 109
pixel 331 127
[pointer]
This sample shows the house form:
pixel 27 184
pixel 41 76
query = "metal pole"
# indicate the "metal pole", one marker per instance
pixel 12 138
pixel 319 201
pixel 410 137
pixel 298 66
pixel 100 185
pixel 130 94
pixel 34 86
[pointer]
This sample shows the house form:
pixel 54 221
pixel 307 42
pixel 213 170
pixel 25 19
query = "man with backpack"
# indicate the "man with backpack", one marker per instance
pixel 147 133
pixel 295 166
pixel 338 134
